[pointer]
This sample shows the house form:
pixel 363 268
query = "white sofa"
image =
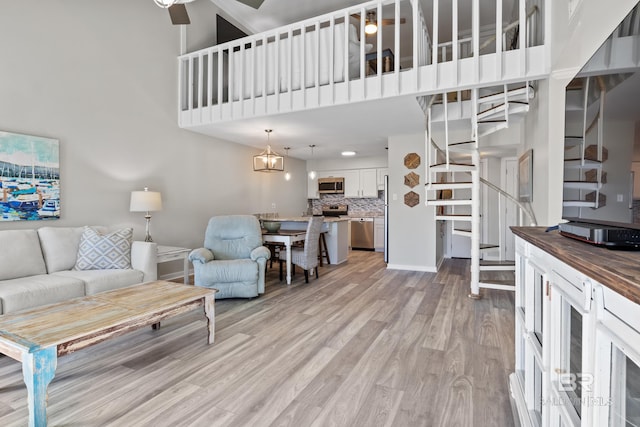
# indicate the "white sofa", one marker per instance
pixel 37 268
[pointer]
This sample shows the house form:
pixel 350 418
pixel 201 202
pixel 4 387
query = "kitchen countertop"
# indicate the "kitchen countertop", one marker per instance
pixel 618 270
pixel 306 219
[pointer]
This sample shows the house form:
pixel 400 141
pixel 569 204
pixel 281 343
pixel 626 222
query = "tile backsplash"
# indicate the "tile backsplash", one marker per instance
pixel 357 206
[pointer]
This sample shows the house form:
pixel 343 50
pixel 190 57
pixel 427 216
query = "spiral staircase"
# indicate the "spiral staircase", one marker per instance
pixel 453 171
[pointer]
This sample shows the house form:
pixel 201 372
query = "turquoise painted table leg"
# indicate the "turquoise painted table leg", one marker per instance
pixel 38 369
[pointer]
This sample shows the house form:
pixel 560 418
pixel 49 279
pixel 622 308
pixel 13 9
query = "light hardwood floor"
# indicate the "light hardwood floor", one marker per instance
pixel 361 346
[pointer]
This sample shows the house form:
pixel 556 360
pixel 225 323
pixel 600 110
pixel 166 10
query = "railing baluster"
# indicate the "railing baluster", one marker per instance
pixel 242 77
pixel 475 38
pixel 363 39
pixel 209 79
pixel 254 58
pixel 318 63
pixel 498 39
pixel 200 82
pixel 220 83
pixel 290 67
pixel 265 69
pixel 454 38
pixel 303 64
pixel 521 36
pixel 435 30
pixel 347 29
pixel 190 97
pixel 396 46
pixel 332 55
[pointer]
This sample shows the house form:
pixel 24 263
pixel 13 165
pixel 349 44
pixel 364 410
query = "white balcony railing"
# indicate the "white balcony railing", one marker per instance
pixel 328 60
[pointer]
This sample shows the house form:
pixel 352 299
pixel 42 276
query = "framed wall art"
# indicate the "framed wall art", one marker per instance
pixel 525 177
pixel 29 177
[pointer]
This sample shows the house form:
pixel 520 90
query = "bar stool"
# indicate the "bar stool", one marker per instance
pixel 322 249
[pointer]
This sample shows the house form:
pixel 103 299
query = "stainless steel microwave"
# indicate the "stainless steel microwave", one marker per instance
pixel 331 185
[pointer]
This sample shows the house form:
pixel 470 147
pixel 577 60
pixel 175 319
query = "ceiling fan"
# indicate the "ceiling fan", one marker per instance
pixel 178 10
pixel 371 23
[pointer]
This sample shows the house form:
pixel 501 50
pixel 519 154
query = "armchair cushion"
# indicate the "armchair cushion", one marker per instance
pixel 236 270
pixel 233 236
pixel 202 255
pixel 260 252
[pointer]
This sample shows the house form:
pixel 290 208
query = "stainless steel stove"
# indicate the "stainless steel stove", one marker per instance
pixel 335 210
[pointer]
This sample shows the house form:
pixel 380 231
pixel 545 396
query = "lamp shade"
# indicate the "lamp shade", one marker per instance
pixel 145 201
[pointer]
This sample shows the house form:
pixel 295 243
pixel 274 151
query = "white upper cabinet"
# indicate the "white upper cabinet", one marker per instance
pixel 360 183
pixel 351 183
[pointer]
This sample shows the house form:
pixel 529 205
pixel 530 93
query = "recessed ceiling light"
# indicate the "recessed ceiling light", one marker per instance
pixel 348 153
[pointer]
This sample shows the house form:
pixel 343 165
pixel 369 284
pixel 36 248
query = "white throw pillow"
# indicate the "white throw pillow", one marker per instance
pixel 104 251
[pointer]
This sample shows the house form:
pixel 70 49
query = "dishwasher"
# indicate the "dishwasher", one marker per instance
pixel 362 233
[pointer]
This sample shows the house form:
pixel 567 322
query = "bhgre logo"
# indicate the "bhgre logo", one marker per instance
pixel 571 381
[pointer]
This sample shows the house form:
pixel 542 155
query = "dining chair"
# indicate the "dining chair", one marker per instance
pixel 307 256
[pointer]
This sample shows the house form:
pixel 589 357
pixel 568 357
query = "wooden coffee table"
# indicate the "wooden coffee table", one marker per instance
pixel 36 337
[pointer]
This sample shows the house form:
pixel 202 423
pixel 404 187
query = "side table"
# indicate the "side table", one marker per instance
pixel 172 253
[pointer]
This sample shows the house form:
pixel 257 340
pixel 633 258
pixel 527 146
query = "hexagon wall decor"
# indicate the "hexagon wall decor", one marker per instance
pixel 411 199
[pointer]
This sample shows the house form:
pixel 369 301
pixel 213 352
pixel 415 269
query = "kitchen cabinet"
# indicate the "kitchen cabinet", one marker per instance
pixel 381 172
pixel 577 340
pixel 378 234
pixel 360 183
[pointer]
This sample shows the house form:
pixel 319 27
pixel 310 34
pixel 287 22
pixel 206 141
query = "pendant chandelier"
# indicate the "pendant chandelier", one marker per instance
pixel 312 173
pixel 287 174
pixel 268 160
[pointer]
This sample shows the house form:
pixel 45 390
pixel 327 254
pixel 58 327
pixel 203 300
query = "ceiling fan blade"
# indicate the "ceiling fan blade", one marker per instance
pixel 252 3
pixel 178 14
pixel 392 21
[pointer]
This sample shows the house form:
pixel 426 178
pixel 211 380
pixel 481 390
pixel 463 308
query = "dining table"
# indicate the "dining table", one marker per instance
pixel 286 237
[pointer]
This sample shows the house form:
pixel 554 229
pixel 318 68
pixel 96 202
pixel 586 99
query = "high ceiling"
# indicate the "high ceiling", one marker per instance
pixel 363 127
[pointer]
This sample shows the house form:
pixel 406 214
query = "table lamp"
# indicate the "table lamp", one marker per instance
pixel 146 201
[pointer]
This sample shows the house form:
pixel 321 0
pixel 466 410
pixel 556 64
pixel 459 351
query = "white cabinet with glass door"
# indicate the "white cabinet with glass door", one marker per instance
pixel 529 383
pixel 616 385
pixel 577 346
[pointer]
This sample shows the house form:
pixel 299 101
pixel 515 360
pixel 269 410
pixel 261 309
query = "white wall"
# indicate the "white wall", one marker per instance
pixel 413 232
pixel 102 78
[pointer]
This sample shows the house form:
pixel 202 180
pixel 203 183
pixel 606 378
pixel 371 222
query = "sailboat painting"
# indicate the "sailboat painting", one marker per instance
pixel 29 177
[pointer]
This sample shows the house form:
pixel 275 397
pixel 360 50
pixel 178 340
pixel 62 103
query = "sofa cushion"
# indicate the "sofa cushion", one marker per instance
pixel 20 254
pixel 103 280
pixel 104 251
pixel 33 291
pixel 60 246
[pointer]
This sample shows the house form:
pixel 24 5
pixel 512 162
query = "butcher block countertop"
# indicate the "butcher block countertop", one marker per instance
pixel 618 270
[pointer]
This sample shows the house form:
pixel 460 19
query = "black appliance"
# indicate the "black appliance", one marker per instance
pixel 612 235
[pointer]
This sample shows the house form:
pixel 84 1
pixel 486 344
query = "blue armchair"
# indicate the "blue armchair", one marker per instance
pixel 233 259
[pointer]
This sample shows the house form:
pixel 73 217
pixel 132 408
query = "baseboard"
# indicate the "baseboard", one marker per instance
pixel 412 268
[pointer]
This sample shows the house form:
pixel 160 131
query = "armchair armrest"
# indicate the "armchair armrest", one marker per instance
pixel 144 258
pixel 260 252
pixel 201 255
